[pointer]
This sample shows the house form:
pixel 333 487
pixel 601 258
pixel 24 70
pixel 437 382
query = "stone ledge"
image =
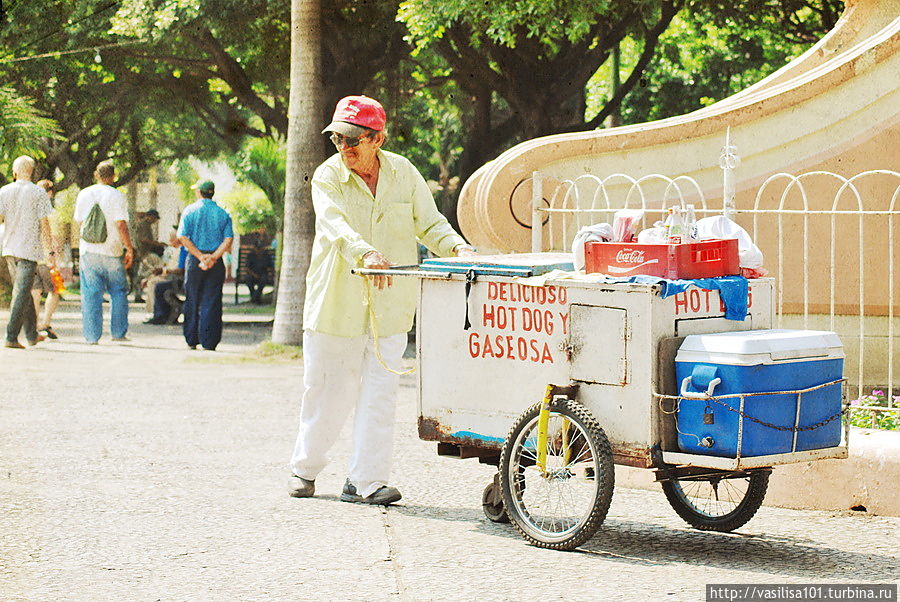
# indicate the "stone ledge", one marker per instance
pixel 868 479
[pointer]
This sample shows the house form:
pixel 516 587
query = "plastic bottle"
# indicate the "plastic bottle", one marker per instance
pixel 675 226
pixel 690 224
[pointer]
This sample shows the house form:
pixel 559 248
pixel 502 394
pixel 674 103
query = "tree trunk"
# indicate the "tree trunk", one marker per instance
pixel 304 153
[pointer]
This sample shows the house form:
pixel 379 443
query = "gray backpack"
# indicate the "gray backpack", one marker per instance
pixel 94 227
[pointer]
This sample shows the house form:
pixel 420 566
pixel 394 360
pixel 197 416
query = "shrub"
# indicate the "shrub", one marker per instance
pixel 888 420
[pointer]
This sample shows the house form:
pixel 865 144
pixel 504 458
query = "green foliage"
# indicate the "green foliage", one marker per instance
pixel 697 63
pixel 425 121
pixel 505 22
pixel 199 77
pixel 250 209
pixel 64 205
pixel 140 101
pixel 270 350
pixel 262 162
pixel 22 128
pixel 185 177
pixel 888 420
pixel 146 18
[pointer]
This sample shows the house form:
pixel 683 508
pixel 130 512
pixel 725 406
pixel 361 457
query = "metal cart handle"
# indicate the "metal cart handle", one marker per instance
pixel 686 382
pixel 397 270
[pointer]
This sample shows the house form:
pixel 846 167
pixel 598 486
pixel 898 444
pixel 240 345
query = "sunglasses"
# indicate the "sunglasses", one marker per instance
pixel 339 141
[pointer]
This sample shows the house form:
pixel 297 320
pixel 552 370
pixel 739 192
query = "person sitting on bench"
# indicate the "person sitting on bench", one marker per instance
pixel 164 311
pixel 259 266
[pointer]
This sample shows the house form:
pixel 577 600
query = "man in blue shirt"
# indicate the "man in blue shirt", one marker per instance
pixel 206 233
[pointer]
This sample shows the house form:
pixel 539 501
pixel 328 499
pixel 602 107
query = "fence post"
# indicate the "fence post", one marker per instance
pixel 537 221
pixel 728 160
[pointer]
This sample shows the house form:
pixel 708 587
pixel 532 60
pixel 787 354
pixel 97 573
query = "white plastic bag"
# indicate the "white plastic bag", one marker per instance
pixel 720 226
pixel 595 232
pixel 653 236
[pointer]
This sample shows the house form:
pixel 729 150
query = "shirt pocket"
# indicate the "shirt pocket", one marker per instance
pixel 395 218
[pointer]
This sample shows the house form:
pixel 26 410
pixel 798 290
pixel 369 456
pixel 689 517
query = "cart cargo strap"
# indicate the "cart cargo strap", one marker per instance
pixel 471 276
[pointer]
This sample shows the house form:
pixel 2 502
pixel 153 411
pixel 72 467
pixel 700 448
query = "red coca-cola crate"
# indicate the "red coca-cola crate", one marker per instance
pixel 704 259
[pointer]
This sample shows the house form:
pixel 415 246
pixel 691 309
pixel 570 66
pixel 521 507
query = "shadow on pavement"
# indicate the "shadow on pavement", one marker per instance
pixel 639 543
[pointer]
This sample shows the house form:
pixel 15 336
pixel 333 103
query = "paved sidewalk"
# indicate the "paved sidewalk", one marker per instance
pixel 145 471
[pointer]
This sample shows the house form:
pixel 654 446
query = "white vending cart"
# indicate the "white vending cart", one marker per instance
pixel 556 377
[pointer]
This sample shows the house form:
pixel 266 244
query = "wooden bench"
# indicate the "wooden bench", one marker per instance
pixel 242 273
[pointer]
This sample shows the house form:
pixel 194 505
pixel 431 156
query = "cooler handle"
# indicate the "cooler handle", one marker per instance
pixel 686 382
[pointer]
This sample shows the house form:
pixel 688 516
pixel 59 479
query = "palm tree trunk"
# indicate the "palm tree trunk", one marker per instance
pixel 303 154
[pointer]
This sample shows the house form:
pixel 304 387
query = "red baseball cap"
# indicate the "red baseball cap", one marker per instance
pixel 354 115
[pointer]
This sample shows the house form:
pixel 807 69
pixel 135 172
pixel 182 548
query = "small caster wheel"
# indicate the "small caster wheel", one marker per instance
pixel 492 503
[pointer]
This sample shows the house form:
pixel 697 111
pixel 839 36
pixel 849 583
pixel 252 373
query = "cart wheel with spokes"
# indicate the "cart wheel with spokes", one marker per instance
pixel 492 502
pixel 563 505
pixel 717 502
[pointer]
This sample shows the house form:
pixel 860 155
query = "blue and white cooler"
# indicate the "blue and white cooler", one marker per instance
pixel 712 367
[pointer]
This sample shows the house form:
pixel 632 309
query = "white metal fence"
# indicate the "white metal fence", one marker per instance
pixel 828 240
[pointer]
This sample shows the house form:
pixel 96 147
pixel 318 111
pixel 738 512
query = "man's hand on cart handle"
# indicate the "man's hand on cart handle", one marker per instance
pixel 373 260
pixel 465 251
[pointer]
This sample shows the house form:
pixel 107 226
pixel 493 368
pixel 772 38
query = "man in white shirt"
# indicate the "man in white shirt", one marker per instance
pixel 103 264
pixel 24 207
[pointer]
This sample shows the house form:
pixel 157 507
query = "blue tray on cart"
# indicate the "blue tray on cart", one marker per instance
pixel 515 264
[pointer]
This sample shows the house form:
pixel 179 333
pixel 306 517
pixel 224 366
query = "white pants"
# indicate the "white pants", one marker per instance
pixel 340 374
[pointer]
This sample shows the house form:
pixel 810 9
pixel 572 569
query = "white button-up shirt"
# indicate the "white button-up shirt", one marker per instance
pixel 350 222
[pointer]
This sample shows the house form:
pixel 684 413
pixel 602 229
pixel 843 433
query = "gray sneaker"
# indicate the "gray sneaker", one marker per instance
pixel 300 487
pixel 384 496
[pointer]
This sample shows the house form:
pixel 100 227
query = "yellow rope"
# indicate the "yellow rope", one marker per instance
pixel 373 324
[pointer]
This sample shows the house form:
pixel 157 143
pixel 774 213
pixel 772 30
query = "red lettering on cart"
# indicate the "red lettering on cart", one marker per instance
pixel 509 347
pixel 694 300
pixel 520 293
pixel 564 318
pixel 547 356
pixel 487 315
pixel 473 344
pixel 537 320
pixel 522 348
pixel 699 301
pixel 499 316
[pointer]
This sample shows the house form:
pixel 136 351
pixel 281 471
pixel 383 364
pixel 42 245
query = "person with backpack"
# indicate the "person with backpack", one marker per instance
pixel 105 253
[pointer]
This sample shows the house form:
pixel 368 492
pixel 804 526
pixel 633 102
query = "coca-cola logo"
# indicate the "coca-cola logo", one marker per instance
pixel 630 256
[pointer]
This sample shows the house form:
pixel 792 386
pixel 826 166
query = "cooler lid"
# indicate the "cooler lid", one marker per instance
pixel 756 346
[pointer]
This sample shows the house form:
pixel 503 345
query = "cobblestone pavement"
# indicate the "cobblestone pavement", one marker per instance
pixel 144 471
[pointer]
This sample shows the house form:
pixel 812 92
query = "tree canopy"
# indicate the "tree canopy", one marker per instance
pixel 144 81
